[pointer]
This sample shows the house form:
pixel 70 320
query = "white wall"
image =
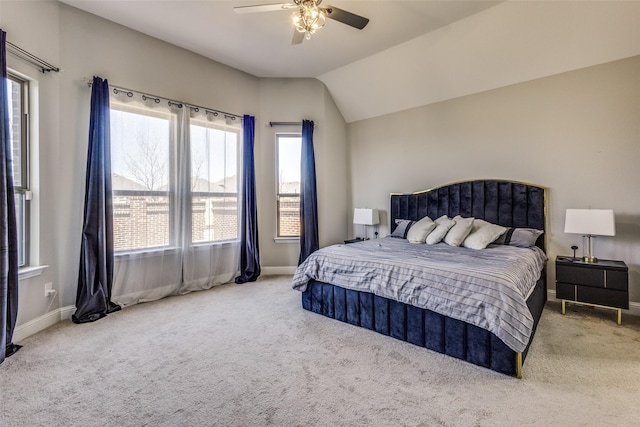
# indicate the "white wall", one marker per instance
pixel 83 45
pixel 577 133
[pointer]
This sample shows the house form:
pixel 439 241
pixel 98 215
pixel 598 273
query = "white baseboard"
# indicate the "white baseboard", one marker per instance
pixel 43 322
pixel 67 312
pixel 278 271
pixel 634 307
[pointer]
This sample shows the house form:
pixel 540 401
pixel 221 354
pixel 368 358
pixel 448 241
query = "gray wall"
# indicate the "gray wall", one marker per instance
pixel 280 102
pixel 577 133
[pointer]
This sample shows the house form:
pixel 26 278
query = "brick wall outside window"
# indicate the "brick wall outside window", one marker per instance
pixel 144 221
pixel 289 220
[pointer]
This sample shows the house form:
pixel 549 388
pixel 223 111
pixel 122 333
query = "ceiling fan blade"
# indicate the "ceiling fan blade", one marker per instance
pixel 262 8
pixel 298 37
pixel 345 17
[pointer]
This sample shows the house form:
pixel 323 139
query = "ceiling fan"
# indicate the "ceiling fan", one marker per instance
pixel 308 17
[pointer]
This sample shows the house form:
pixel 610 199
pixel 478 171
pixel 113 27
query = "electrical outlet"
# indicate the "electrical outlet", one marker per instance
pixel 48 289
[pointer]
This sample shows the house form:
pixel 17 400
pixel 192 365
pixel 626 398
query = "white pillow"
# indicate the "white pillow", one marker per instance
pixel 419 231
pixel 482 233
pixel 459 232
pixel 443 225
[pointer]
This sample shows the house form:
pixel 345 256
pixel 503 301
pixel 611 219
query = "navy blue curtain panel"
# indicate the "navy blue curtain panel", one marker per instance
pixel 9 238
pixel 95 278
pixel 249 251
pixel 309 241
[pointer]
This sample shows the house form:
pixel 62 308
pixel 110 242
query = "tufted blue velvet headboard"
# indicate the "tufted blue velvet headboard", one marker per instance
pixel 506 203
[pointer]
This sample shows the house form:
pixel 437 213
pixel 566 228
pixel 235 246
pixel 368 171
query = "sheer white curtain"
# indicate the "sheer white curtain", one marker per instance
pixel 175 197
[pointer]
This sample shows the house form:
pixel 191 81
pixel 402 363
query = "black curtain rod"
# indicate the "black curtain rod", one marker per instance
pixel 43 65
pixel 171 102
pixel 272 124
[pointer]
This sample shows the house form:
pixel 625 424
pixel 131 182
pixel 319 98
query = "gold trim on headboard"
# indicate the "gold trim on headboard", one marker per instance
pixel 473 180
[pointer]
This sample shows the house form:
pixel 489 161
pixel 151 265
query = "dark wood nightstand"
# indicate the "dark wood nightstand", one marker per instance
pixel 603 284
pixel 357 239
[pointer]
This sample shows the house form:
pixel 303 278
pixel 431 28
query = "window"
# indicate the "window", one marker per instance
pixel 149 195
pixel 214 186
pixel 140 169
pixel 288 149
pixel 18 91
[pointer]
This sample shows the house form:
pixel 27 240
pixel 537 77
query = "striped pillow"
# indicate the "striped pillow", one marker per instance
pixel 402 228
pixel 520 237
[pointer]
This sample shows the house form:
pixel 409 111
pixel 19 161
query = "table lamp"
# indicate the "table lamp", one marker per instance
pixel 590 223
pixel 366 217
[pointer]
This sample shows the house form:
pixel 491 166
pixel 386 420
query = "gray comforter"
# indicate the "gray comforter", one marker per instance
pixel 487 288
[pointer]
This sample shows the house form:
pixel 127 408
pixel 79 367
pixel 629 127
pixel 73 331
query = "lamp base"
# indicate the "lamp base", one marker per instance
pixel 590 259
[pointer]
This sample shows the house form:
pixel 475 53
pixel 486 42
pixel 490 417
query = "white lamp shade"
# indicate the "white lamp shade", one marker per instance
pixel 366 216
pixel 596 222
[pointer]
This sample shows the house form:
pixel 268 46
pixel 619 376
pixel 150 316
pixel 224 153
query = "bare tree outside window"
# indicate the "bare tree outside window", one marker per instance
pixel 148 166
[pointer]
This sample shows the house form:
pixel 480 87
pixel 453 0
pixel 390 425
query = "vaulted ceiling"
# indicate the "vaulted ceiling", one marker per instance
pixel 411 53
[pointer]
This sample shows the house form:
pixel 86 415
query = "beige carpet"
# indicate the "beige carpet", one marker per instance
pixel 249 355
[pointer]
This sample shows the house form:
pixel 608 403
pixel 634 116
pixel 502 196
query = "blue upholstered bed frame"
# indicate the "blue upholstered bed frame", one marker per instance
pixel 510 204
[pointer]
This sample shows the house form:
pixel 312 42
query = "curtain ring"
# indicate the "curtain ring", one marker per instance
pixel 128 93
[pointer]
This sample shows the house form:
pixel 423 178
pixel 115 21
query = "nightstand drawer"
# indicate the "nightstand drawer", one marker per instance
pixel 578 274
pixel 594 277
pixel 591 295
pixel 617 280
pixel 565 291
pixel 618 299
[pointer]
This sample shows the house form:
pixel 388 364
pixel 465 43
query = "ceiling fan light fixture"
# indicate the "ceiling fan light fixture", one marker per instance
pixel 308 18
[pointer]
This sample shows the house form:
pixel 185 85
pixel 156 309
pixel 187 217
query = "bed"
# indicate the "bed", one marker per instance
pixel 505 203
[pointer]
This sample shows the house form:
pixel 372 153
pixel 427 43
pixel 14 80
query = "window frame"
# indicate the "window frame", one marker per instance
pixel 280 195
pixel 22 192
pixel 180 239
pixel 170 193
pixel 238 132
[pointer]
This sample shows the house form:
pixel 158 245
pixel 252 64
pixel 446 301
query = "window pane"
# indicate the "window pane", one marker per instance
pixel 214 184
pixel 289 216
pixel 14 89
pixel 17 92
pixel 140 178
pixel 140 151
pixel 289 149
pixel 21 223
pixel 140 221
pixel 288 201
